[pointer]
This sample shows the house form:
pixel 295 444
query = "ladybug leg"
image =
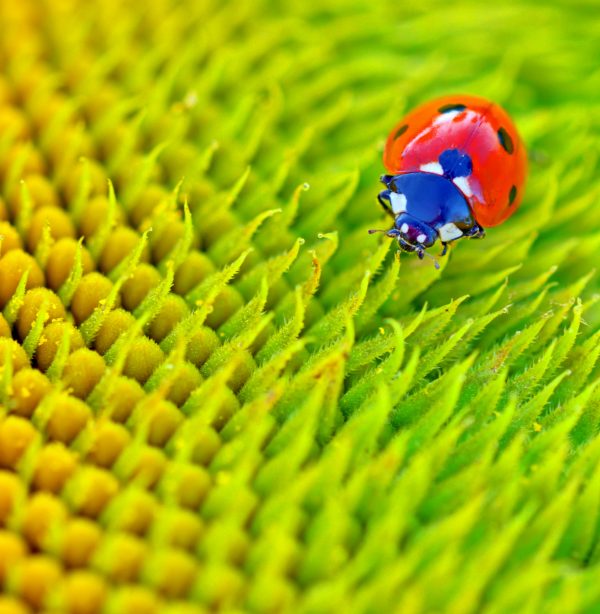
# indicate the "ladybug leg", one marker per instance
pixel 444 249
pixel 476 232
pixel 385 201
pixel 480 234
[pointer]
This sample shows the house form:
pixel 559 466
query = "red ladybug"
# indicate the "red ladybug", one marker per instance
pixel 457 165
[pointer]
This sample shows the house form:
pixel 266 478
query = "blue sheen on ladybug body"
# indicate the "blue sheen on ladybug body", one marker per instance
pixel 455 164
pixel 428 206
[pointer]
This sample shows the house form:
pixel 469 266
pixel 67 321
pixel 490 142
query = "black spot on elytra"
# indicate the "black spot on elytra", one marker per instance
pixel 403 128
pixel 512 195
pixel 452 107
pixel 505 140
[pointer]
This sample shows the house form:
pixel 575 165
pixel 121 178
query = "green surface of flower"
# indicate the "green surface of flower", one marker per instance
pixel 218 393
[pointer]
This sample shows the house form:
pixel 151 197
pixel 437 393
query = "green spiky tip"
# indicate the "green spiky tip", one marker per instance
pixel 217 391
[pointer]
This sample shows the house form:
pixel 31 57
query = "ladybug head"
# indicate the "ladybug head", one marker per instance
pixel 413 235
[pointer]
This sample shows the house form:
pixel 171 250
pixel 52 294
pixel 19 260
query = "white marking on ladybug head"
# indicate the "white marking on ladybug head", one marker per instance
pixel 421 238
pixel 404 228
pixel 398 203
pixel 448 116
pixel 449 232
pixel 432 167
pixel 462 183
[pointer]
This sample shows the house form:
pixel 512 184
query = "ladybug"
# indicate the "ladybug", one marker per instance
pixel 457 166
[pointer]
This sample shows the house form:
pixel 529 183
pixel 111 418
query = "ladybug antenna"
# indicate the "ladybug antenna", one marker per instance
pixel 436 264
pixel 374 230
pixel 422 253
pixel 390 232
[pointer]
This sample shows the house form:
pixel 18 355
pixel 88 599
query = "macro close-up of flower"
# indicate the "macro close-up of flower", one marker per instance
pixel 299 307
